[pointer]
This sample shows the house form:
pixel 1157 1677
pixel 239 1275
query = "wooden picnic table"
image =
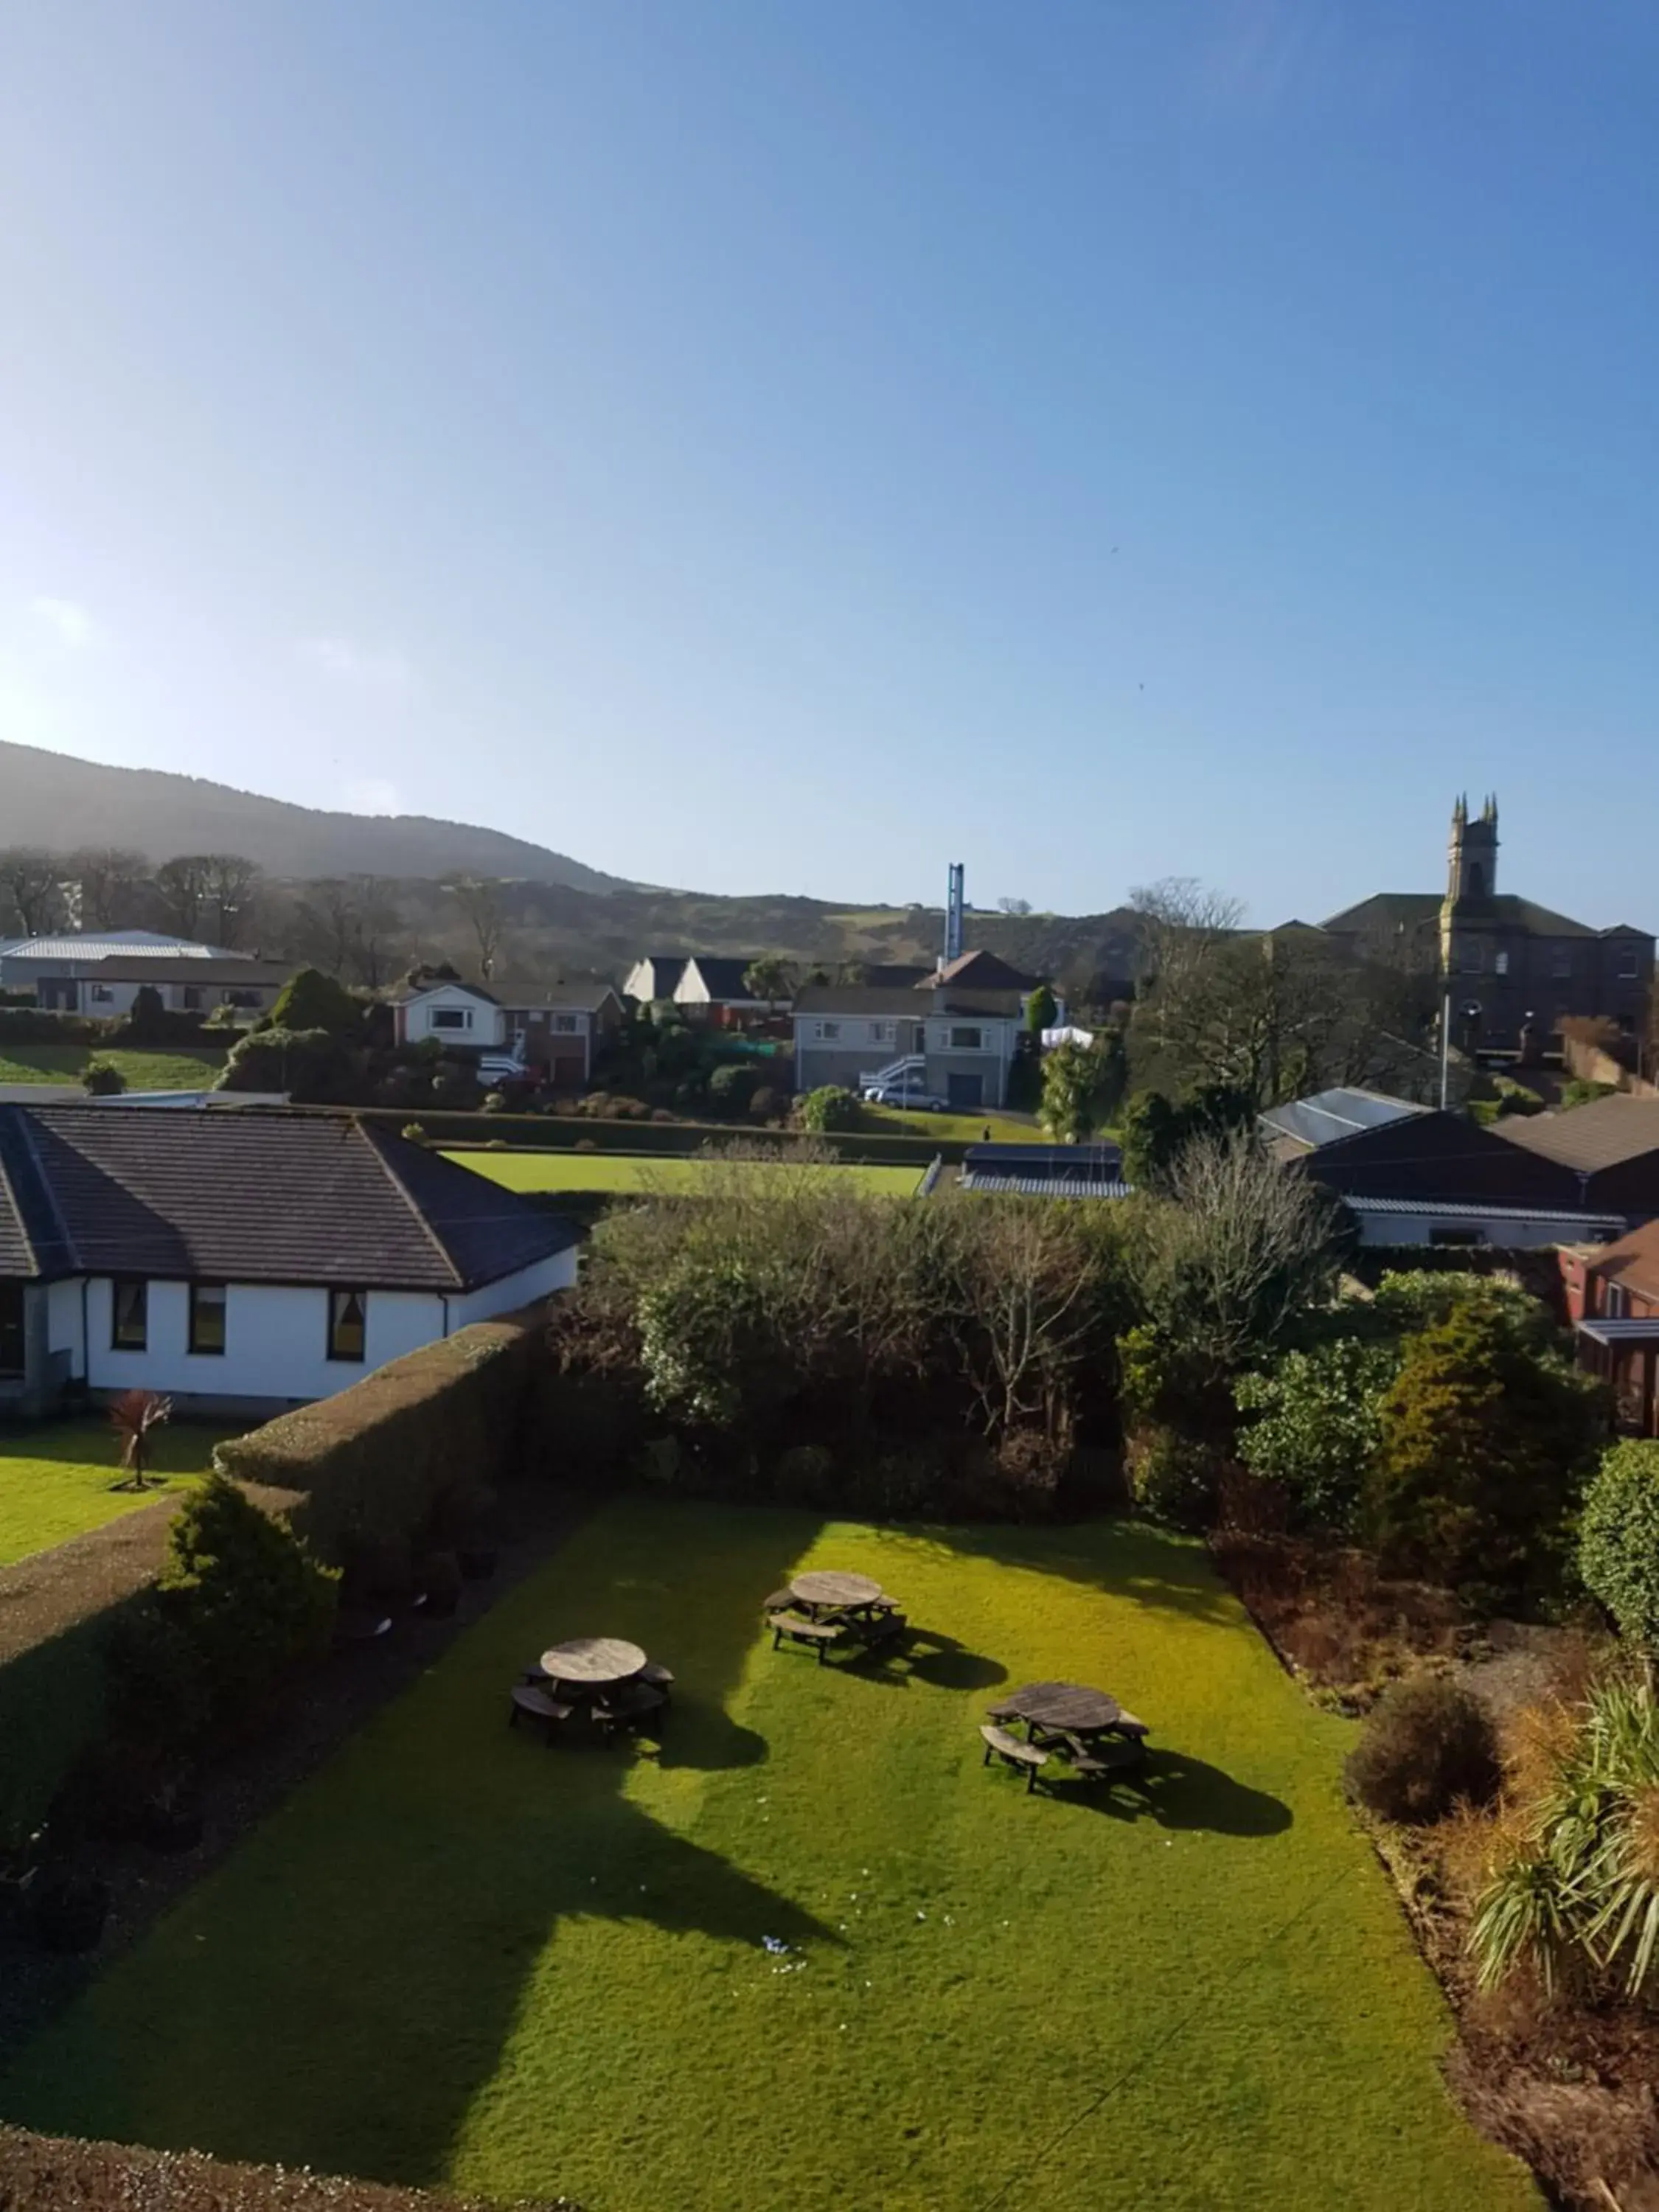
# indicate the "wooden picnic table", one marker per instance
pixel 831 1592
pixel 593 1661
pixel 1062 1708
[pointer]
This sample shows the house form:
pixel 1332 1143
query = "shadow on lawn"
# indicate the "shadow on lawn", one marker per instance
pixel 1178 1791
pixel 1148 1566
pixel 922 1654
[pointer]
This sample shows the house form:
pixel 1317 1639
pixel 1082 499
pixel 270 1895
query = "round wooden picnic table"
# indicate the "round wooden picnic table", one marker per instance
pixel 593 1661
pixel 1067 1706
pixel 835 1590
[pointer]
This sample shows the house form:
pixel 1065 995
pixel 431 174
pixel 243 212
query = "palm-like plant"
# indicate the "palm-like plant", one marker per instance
pixel 1579 1881
pixel 133 1416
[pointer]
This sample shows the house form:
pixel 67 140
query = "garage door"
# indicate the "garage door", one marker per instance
pixel 966 1092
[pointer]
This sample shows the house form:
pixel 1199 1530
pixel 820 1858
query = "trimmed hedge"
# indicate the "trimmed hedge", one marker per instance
pixel 565 1133
pixel 374 1463
pixel 45 2173
pixel 57 1608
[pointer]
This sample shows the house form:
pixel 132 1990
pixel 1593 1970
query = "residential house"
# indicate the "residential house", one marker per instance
pixel 461 1016
pixel 558 1029
pixel 243 1261
pixel 952 1034
pixel 1411 1174
pixel 656 976
pixel 1509 964
pixel 100 973
pixel 711 988
pixel 1615 1296
pixel 1610 1148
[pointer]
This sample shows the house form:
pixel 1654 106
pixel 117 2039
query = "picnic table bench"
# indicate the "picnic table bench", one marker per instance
pixel 627 1707
pixel 999 1744
pixel 531 1704
pixel 799 1630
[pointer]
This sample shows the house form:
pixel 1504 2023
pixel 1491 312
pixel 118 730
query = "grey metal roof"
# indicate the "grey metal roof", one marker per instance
pixel 115 944
pixel 1330 1114
pixel 1613 1223
pixel 1624 1331
pixel 1011 1184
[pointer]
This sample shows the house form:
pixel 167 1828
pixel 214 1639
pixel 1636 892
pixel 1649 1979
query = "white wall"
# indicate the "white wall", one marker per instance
pixel 486 1027
pixel 276 1336
pixel 1522 1234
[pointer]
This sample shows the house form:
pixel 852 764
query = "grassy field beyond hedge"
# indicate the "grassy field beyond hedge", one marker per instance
pixel 57 1480
pixel 144 1070
pixel 455 1955
pixel 620 1171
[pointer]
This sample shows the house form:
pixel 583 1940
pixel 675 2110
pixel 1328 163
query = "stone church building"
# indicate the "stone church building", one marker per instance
pixel 1509 962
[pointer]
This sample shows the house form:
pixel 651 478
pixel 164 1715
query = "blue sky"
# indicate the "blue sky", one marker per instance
pixel 777 445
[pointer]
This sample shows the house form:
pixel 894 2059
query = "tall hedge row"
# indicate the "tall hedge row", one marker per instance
pixel 374 1463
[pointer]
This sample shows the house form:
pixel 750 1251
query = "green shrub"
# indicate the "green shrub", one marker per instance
pixel 311 1001
pixel 830 1108
pixel 763 1104
pixel 1583 1091
pixel 102 1078
pixel 246 1596
pixel 805 1475
pixel 1317 1424
pixel 1428 1744
pixel 1618 1537
pixel 732 1087
pixel 1172 1477
pixel 415 1134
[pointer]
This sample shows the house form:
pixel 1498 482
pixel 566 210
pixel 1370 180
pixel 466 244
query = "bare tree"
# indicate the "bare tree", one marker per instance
pixel 113 883
pixel 1025 1310
pixel 480 902
pixel 232 897
pixel 182 886
pixel 1179 926
pixel 31 892
pixel 1018 907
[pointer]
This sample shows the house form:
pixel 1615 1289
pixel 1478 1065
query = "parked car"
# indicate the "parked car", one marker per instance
pixel 913 1101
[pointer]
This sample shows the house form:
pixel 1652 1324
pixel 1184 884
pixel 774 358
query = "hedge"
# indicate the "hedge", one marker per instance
pixel 56 1609
pixel 565 1133
pixel 45 2173
pixel 373 1463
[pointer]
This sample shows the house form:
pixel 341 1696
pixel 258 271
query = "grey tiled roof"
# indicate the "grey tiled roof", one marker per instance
pixel 256 1197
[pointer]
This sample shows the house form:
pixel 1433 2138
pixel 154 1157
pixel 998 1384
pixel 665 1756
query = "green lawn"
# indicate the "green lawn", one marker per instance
pixel 955 1128
pixel 56 1480
pixel 632 1172
pixel 454 1956
pixel 144 1071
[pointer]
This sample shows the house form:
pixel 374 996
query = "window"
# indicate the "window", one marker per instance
pixel 881 1032
pixel 827 1032
pixel 11 1329
pixel 451 1017
pixel 1444 1233
pixel 1615 1302
pixel 129 1330
pixel 207 1316
pixel 102 995
pixel 347 1326
pixel 966 1040
pixel 244 999
pixel 191 995
pixel 1501 964
pixel 565 1024
pixel 1468 956
pixel 1629 962
pixel 1561 961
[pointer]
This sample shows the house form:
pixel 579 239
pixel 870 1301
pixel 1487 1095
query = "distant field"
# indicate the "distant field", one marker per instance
pixel 144 1071
pixel 954 1128
pixel 626 1171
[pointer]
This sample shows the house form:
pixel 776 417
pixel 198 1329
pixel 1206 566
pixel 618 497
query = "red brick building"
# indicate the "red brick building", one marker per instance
pixel 1614 1295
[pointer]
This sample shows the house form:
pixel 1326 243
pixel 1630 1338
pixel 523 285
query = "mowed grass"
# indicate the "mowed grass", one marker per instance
pixel 57 1481
pixel 955 1128
pixel 456 1956
pixel 143 1069
pixel 624 1171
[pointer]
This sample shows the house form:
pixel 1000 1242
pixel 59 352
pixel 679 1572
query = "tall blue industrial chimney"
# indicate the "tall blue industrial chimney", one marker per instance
pixel 953 908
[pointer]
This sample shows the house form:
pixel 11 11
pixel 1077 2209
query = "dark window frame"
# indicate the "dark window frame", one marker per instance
pixel 118 1342
pixel 10 1290
pixel 331 1339
pixel 197 1347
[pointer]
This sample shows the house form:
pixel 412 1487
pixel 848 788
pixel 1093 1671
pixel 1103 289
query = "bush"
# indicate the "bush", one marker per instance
pixel 1583 1091
pixel 1428 1744
pixel 1318 1423
pixel 805 1475
pixel 146 1018
pixel 311 1001
pixel 246 1595
pixel 414 1132
pixel 313 1067
pixel 764 1103
pixel 731 1088
pixel 102 1078
pixel 1172 1477
pixel 1618 1538
pixel 830 1108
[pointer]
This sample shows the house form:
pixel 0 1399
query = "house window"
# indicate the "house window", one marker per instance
pixel 1501 964
pixel 207 1316
pixel 347 1326
pixel 1561 961
pixel 451 1017
pixel 128 1315
pixel 1468 956
pixel 192 997
pixel 243 998
pixel 1446 1233
pixel 11 1329
pixel 881 1032
pixel 966 1040
pixel 827 1032
pixel 565 1024
pixel 1629 962
pixel 1615 1303
pixel 102 995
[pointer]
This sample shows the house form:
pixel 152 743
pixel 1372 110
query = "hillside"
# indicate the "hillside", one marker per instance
pixel 50 800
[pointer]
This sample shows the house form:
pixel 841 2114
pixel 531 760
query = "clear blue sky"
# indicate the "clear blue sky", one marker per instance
pixel 789 443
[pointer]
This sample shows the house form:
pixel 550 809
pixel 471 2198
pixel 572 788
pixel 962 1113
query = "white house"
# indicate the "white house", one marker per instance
pixel 455 1013
pixel 100 973
pixel 246 1262
pixel 950 1032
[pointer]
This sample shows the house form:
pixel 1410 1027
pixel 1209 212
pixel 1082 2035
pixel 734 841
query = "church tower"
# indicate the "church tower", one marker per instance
pixel 1472 858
